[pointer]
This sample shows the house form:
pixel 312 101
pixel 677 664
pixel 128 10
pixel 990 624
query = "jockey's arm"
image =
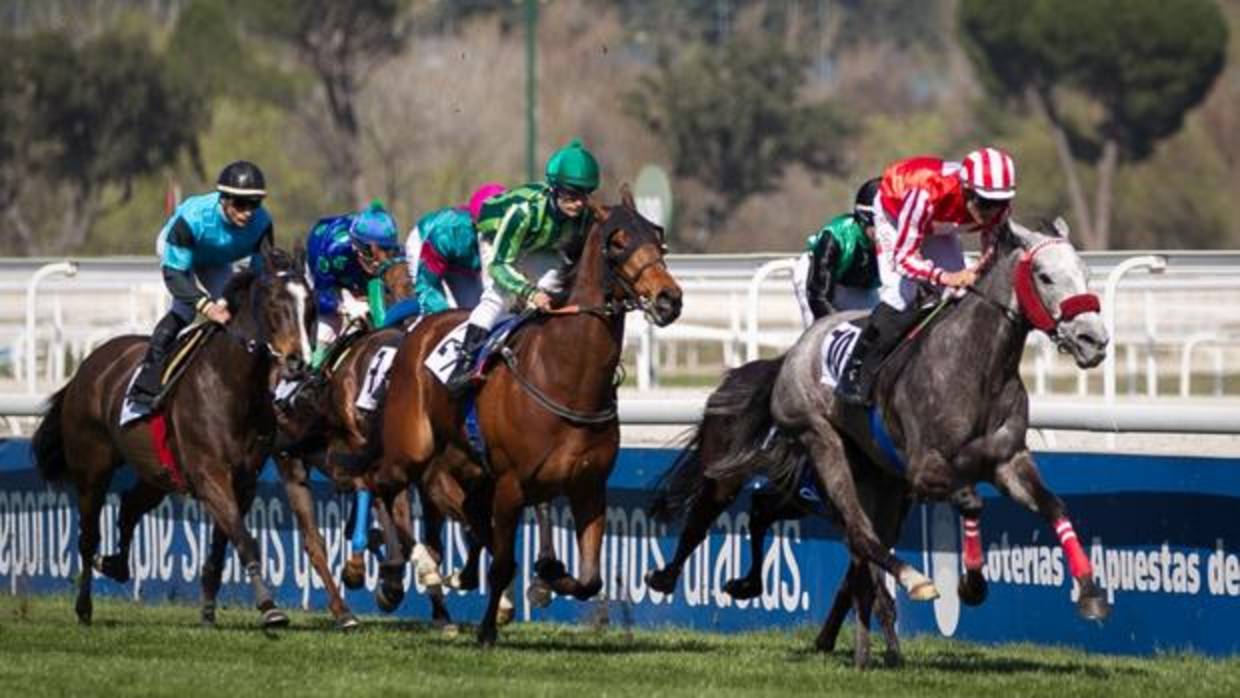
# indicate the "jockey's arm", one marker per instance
pixel 428 287
pixel 912 226
pixel 177 264
pixel 509 240
pixel 821 282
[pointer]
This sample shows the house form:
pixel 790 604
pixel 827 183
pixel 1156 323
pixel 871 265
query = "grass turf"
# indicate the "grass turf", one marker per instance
pixel 160 650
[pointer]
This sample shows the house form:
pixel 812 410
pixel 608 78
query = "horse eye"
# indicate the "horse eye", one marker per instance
pixel 1044 278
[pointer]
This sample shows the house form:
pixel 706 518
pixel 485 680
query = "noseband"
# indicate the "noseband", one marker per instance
pixel 614 265
pixel 1031 305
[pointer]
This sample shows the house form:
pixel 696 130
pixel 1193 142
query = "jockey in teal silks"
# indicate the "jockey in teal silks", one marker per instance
pixel 445 243
pixel 527 227
pixel 339 252
pixel 197 247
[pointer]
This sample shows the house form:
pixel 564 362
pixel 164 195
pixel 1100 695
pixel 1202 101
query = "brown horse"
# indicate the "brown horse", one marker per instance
pixel 217 446
pixel 547 412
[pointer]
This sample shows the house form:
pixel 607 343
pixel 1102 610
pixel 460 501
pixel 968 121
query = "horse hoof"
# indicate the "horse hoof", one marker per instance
pixel 274 618
pixel 388 600
pixel 113 567
pixel 348 622
pixel 461 582
pixel 550 569
pixel 1093 607
pixel 972 589
pixel 426 568
pixel 450 630
pixel 504 616
pixel 85 609
pixel 538 595
pixel 742 589
pixel 923 591
pixel 893 659
pixel 487 635
pixel 353 576
pixel 663 581
pixel 824 645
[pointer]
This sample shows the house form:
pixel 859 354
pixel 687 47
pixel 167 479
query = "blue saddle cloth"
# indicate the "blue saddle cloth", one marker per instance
pixel 495 341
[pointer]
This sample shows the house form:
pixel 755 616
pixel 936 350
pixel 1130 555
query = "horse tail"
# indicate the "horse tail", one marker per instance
pixel 725 443
pixel 48 443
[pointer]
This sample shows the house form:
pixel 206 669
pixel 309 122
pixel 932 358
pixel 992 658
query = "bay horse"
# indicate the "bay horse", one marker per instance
pixel 738 414
pixel 547 412
pixel 212 449
pixel 954 407
pixel 322 426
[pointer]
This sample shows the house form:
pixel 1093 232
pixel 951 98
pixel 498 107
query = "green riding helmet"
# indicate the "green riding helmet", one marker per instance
pixel 573 167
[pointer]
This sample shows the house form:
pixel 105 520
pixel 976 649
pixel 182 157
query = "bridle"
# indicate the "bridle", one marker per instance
pixel 1032 309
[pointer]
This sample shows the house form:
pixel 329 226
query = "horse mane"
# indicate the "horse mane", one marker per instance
pixel 237 290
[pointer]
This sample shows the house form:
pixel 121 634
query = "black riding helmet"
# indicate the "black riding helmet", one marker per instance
pixel 242 180
pixel 863 204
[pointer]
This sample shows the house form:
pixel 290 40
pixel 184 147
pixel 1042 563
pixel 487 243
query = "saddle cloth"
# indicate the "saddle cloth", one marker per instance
pixel 837 347
pixel 442 358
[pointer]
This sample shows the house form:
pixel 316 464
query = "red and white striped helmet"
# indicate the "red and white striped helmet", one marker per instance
pixel 991 173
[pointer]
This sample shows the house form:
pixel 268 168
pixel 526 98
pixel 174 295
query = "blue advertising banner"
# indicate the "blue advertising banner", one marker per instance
pixel 1163 534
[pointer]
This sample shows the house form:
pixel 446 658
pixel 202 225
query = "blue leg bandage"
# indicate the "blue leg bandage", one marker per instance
pixel 361 520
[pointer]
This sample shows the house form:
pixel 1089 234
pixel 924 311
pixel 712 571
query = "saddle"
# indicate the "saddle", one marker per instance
pixel 184 349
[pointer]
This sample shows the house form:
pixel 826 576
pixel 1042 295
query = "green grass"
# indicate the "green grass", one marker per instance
pixel 160 650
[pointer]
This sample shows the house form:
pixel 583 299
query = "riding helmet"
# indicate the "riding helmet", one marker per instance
pixel 375 225
pixel 863 205
pixel 242 179
pixel 573 167
pixel 990 173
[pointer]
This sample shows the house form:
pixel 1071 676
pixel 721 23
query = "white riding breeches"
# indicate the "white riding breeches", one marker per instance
pixel 542 265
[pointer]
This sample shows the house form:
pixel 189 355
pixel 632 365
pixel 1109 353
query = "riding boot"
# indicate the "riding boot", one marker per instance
pixel 881 335
pixel 462 373
pixel 150 377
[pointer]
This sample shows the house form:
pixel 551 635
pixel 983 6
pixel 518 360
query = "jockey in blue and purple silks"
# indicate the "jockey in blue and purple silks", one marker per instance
pixel 336 248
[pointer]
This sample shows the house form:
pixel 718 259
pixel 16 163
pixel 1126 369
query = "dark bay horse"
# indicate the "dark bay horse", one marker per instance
pixel 546 412
pixel 954 406
pixel 217 445
pixel 737 416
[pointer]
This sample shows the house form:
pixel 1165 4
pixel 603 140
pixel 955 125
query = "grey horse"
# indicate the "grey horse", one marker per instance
pixel 952 400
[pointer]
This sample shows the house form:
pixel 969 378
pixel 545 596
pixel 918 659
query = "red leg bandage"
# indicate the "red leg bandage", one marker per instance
pixel 1078 561
pixel 972 544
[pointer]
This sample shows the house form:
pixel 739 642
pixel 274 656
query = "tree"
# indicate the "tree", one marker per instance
pixel 1110 77
pixel 732 119
pixel 80 125
pixel 342 43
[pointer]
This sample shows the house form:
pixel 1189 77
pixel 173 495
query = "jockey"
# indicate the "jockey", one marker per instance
pixel 922 205
pixel 446 246
pixel 839 269
pixel 340 251
pixel 197 247
pixel 527 227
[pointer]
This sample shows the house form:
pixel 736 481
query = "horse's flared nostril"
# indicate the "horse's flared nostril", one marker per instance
pixel 667 306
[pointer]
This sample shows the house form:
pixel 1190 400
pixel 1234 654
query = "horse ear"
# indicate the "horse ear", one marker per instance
pixel 626 196
pixel 1023 236
pixel 1060 226
pixel 598 211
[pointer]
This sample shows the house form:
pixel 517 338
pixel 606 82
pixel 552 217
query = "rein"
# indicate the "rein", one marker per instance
pixel 1032 309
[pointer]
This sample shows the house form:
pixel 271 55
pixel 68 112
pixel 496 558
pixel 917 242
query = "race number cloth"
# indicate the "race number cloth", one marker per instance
pixel 442 358
pixel 836 348
pixel 368 398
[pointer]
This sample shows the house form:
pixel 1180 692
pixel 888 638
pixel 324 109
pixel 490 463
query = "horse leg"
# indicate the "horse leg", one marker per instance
pixel 225 500
pixel 589 504
pixel 714 499
pixel 212 574
pixel 826 451
pixel 391 590
pixel 91 497
pixel 886 607
pixel 427 557
pixel 539 593
pixel 301 500
pixel 353 576
pixel 1019 479
pixel 507 502
pixel 764 511
pixel 972 586
pixel 136 502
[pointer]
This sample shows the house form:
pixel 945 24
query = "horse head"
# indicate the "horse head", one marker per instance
pixel 390 266
pixel 633 249
pixel 281 303
pixel 1051 284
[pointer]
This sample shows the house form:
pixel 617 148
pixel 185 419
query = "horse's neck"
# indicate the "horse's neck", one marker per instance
pixel 592 342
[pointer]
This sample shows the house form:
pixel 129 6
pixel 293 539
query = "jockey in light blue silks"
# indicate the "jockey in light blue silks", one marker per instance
pixel 445 243
pixel 197 247
pixel 336 248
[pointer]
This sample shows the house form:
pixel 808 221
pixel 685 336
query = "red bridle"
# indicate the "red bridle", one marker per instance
pixel 1031 305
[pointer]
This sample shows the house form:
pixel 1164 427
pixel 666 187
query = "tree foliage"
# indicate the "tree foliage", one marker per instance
pixel 1139 65
pixel 81 123
pixel 732 118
